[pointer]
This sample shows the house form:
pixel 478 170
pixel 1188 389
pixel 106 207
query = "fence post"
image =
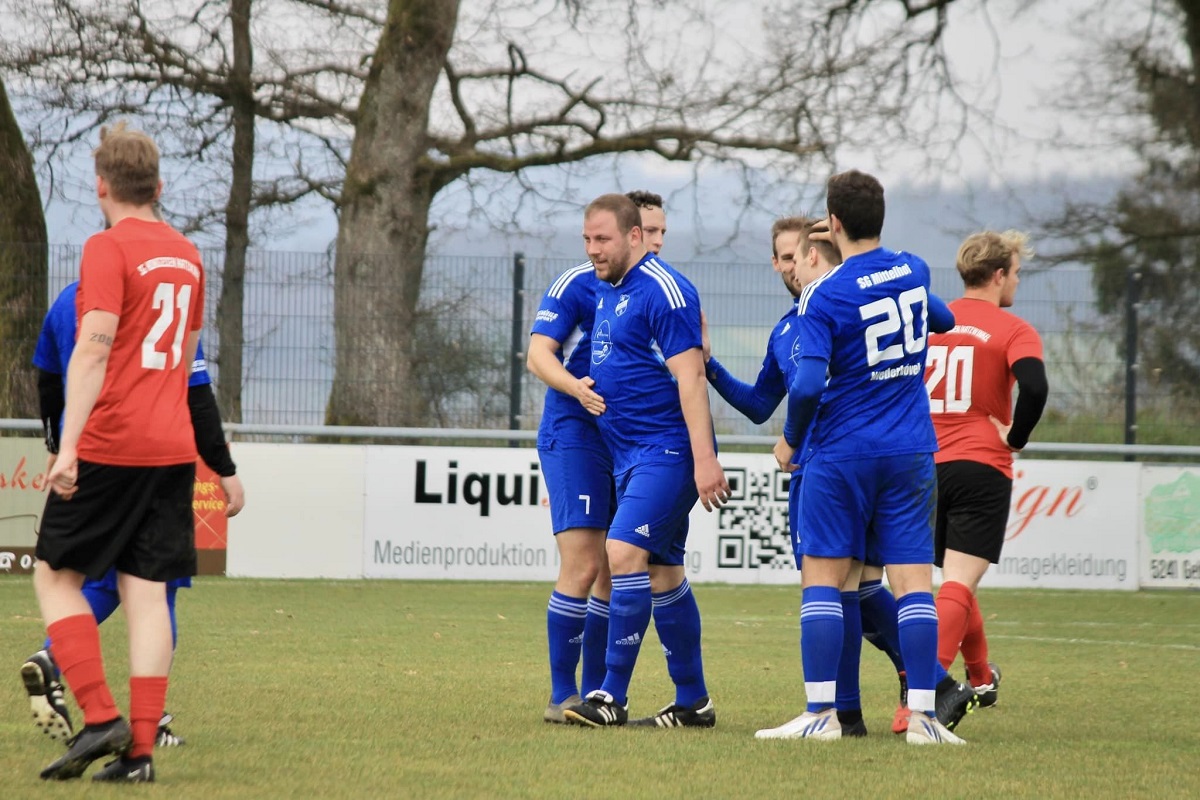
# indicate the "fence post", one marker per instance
pixel 1133 285
pixel 517 350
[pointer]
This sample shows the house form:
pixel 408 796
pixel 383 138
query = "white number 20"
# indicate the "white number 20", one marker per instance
pixel 957 366
pixel 897 314
pixel 166 300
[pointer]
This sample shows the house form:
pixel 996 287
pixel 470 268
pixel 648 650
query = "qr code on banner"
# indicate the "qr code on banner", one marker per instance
pixel 752 529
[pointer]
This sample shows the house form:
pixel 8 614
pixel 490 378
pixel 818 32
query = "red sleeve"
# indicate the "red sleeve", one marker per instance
pixel 1024 342
pixel 101 277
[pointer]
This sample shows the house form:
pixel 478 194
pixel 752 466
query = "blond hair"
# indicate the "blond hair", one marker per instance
pixel 983 254
pixel 127 160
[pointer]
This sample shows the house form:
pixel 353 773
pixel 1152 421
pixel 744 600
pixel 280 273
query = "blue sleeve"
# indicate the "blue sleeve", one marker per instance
pixel 941 318
pixel 561 309
pixel 675 320
pixel 803 397
pixel 57 339
pixel 756 402
pixel 45 355
pixel 199 375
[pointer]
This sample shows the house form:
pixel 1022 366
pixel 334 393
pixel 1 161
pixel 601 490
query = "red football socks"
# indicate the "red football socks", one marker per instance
pixel 75 647
pixel 147 696
pixel 953 603
pixel 975 648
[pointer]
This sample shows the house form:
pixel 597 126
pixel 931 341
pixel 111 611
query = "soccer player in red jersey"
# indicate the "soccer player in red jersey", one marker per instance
pixel 122 482
pixel 970 375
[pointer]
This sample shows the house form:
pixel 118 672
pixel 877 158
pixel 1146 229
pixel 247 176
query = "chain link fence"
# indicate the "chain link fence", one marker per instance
pixel 469 338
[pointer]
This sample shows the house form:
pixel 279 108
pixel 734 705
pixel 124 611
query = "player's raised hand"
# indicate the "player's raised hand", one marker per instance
pixel 820 232
pixel 63 474
pixel 591 401
pixel 711 483
pixel 784 453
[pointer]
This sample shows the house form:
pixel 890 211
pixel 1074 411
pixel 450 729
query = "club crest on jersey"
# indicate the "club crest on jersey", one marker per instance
pixel 622 305
pixel 601 342
pixel 796 352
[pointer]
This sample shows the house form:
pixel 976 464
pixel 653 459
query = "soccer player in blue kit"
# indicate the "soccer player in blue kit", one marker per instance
pixel 869 461
pixel 51 356
pixel 871 612
pixel 647 365
pixel 577 468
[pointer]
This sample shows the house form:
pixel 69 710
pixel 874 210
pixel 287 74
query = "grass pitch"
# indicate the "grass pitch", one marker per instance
pixel 364 689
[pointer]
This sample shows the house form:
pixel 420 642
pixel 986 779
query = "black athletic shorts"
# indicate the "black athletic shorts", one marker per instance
pixel 972 510
pixel 138 519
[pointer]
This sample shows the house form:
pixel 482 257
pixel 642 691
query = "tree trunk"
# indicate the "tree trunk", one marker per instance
pixel 23 269
pixel 383 229
pixel 229 318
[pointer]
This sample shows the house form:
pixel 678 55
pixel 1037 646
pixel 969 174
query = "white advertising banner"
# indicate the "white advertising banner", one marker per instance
pixel 483 514
pixel 1170 547
pixel 476 513
pixel 1072 525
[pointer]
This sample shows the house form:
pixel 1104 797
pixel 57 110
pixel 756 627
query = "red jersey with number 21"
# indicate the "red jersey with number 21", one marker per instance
pixel 150 276
pixel 969 376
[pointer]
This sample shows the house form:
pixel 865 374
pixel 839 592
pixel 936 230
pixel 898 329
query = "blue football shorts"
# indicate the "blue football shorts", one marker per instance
pixel 891 497
pixel 653 502
pixel 872 550
pixel 579 482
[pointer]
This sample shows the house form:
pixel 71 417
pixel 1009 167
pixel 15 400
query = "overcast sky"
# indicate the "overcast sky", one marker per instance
pixel 1011 67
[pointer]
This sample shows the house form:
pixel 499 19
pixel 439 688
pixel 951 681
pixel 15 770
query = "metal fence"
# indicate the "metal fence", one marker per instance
pixel 477 312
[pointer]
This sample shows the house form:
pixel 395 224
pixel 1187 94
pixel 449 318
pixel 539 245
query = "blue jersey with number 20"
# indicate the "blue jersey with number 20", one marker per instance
pixel 868 318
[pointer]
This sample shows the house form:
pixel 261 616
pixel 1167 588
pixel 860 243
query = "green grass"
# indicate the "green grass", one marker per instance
pixel 428 690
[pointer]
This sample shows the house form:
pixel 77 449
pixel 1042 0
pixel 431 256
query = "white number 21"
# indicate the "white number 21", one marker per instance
pixel 166 300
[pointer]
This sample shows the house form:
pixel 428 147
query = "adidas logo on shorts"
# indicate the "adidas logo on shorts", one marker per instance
pixel 577 640
pixel 633 638
pixel 643 529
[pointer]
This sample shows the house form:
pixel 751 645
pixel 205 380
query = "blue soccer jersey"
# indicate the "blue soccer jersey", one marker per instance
pixel 651 315
pixel 868 319
pixel 57 340
pixel 566 315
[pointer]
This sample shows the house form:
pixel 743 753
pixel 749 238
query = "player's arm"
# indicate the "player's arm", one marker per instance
pixel 688 369
pixel 50 407
pixel 85 379
pixel 211 445
pixel 756 402
pixel 543 361
pixel 803 397
pixel 1032 391
pixel 941 318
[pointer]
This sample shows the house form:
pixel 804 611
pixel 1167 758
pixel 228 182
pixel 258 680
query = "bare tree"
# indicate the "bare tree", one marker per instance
pixel 187 72
pixel 565 81
pixel 22 268
pixel 1146 239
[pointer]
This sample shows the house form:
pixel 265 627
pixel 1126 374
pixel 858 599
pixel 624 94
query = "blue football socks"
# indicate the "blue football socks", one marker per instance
pixel 918 625
pixel 595 645
pixel 848 695
pixel 879 620
pixel 820 644
pixel 677 621
pixel 564 632
pixel 628 618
